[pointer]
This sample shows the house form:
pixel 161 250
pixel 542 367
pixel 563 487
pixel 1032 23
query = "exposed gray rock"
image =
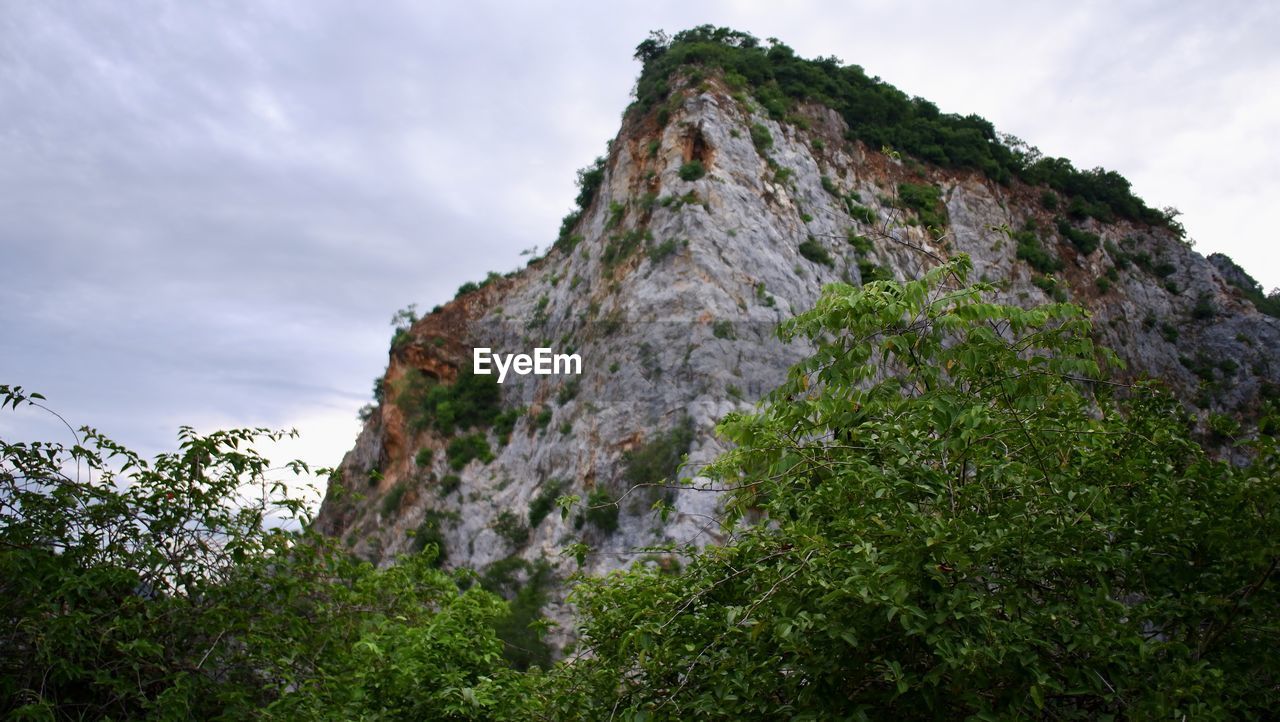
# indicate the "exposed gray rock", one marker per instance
pixel 685 329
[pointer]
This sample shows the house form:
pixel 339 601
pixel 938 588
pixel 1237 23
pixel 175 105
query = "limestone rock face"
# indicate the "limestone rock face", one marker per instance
pixel 671 296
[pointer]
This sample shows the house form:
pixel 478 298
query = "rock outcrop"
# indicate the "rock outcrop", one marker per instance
pixel 706 231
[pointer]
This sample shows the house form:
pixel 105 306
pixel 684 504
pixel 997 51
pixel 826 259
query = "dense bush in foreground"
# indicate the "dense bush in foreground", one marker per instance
pixel 965 519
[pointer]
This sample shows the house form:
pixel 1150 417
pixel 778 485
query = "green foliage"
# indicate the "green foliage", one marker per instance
pixel 658 460
pixel 395 495
pixel 1033 252
pixel 431 533
pixel 523 646
pixel 925 201
pixel 616 212
pixel 602 511
pixel 860 243
pixel 402 322
pixel 861 213
pixel 449 483
pixel 1050 286
pixel 589 181
pixel 869 272
pixel 1204 308
pixel 880 115
pixel 568 392
pixel 464 449
pixel 511 528
pixel 472 286
pixel 422 459
pixel 761 138
pixel 814 252
pixel 1268 304
pixel 543 418
pixel 661 251
pixel 957 528
pixel 692 171
pixel 622 246
pixel 762 295
pixel 471 401
pixel 723 329
pixel 170 588
pixel 505 422
pixel 1083 240
pixel 545 501
pixel 829 186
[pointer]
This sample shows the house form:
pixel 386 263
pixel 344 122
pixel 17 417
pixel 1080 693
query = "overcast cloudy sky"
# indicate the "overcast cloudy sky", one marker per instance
pixel 210 211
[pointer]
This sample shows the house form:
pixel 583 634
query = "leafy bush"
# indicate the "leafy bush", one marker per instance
pixel 761 138
pixel 505 422
pixel 449 483
pixel 1083 240
pixel 723 329
pixel 511 528
pixel 925 201
pixel 813 251
pixel 861 213
pixel 662 250
pixel 1204 308
pixel 145 589
pixel 391 502
pixel 422 459
pixel 957 528
pixel 523 646
pixel 602 511
pixel 545 501
pixel 659 459
pixel 471 401
pixel 589 181
pixel 402 322
pixel 431 531
pixel 616 212
pixel 869 272
pixel 567 392
pixel 1031 251
pixel 621 246
pixel 1050 286
pixel 860 243
pixel 464 449
pixel 692 171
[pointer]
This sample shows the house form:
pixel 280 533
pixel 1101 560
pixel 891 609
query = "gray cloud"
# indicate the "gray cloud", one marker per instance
pixel 209 214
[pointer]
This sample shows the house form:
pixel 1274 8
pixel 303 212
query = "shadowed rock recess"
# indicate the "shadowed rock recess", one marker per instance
pixel 722 207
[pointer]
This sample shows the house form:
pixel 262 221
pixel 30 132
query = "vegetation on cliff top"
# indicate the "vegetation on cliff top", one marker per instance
pixel 881 115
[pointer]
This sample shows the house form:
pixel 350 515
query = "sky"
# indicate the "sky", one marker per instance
pixel 209 212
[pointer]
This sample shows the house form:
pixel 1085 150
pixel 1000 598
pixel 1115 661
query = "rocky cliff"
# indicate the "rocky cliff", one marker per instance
pixel 710 220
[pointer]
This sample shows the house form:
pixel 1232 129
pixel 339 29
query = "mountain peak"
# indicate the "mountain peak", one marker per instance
pixel 742 181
